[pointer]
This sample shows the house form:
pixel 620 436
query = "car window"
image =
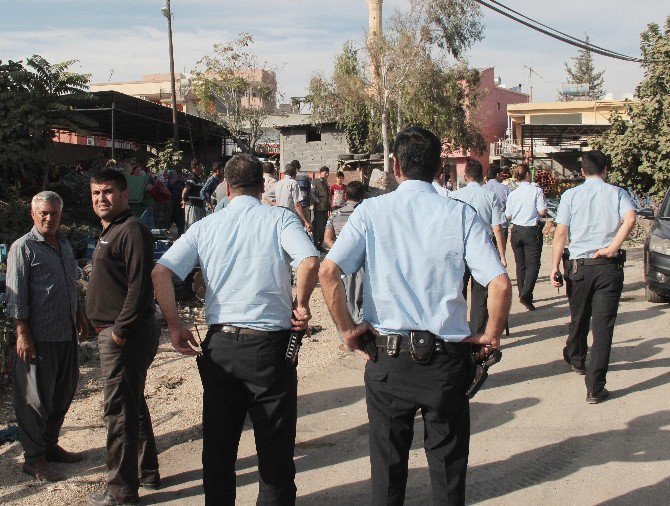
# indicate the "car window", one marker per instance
pixel 665 207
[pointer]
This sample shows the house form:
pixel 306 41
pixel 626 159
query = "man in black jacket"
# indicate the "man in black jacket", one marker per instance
pixel 120 305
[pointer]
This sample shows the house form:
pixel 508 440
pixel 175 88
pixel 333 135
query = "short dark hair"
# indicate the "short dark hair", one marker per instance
pixel 290 170
pixel 244 171
pixel 195 163
pixel 106 175
pixel 417 151
pixel 474 170
pixel 268 168
pixel 324 169
pixel 340 174
pixel 520 172
pixel 216 166
pixel 296 164
pixel 355 191
pixel 492 172
pixel 594 162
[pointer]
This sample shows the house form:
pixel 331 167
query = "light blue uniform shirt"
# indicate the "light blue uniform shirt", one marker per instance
pixel 501 191
pixel 483 201
pixel 414 244
pixel 441 190
pixel 524 205
pixel 245 253
pixel 592 212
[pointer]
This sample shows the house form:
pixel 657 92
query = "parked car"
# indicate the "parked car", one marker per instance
pixel 657 253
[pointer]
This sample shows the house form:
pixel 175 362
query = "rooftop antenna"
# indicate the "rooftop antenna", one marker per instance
pixel 110 76
pixel 531 71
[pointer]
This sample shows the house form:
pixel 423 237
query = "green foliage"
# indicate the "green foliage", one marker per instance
pixel 226 84
pixel 640 147
pixel 168 158
pixel 35 98
pixel 411 81
pixel 15 216
pixel 584 72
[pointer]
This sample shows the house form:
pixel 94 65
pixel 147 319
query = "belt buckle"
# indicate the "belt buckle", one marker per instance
pixel 392 345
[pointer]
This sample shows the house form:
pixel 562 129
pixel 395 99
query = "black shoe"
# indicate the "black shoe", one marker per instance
pixel 527 304
pixel 579 370
pixel 151 482
pixel 107 499
pixel 57 454
pixel 596 398
pixel 42 470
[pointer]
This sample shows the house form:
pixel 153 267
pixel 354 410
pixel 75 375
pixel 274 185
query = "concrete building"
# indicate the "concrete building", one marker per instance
pixel 155 88
pixel 554 134
pixel 490 116
pixel 313 145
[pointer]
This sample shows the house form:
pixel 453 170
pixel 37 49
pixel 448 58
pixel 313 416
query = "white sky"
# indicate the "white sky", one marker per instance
pixel 125 39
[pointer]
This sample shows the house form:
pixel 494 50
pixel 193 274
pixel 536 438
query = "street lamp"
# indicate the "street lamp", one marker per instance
pixel 165 11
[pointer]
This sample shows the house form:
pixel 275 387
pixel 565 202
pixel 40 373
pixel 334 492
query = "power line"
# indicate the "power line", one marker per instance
pixel 568 39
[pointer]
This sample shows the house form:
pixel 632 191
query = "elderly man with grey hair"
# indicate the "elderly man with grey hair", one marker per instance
pixel 42 302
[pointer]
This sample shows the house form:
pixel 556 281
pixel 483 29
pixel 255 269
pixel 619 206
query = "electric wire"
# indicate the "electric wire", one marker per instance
pixel 563 37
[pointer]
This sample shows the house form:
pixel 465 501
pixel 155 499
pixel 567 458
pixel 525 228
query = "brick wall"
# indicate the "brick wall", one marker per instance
pixel 316 153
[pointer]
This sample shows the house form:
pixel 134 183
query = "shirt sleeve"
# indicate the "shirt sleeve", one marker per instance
pixel 138 255
pixel 625 203
pixel 182 256
pixel 497 217
pixel 348 252
pixel 563 215
pixel 294 241
pixel 480 253
pixel 18 274
pixel 296 193
pixel 329 223
pixel 540 202
pixel 509 206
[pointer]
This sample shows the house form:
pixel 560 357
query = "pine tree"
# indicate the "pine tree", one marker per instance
pixel 583 71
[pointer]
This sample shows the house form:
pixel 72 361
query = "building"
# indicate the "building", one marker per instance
pixel 313 145
pixel 156 88
pixel 554 134
pixel 490 117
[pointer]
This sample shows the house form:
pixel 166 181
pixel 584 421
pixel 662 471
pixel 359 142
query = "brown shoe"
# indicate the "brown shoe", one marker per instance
pixel 42 470
pixel 57 454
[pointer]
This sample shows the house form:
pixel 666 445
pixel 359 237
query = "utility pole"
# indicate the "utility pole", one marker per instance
pixel 530 80
pixel 168 14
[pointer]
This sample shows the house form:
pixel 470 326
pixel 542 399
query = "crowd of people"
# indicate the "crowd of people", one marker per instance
pixel 394 279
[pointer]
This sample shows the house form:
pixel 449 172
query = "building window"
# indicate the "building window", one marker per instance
pixel 498 105
pixel 312 135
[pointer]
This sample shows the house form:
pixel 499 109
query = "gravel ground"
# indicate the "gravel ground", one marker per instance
pixel 174 396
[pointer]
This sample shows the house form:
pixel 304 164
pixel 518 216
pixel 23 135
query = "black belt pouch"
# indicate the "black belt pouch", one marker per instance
pixel 422 346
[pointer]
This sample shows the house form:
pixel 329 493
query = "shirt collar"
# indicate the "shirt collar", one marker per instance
pixel 474 183
pixel 243 201
pixel 415 185
pixel 593 180
pixel 39 237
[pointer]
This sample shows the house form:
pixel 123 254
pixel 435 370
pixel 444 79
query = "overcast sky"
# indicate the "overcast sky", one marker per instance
pixel 120 40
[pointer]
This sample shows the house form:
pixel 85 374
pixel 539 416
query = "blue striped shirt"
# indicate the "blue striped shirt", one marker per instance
pixel 41 287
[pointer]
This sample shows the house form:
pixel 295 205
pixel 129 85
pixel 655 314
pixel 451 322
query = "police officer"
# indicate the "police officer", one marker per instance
pixel 250 313
pixel 414 245
pixel 525 207
pixel 489 210
pixel 596 217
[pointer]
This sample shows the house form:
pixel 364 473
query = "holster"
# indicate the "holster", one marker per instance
pixel 422 346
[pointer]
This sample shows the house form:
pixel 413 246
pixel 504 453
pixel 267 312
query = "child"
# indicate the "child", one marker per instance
pixel 338 192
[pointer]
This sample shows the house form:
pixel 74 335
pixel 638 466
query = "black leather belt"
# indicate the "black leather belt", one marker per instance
pixel 381 341
pixel 597 261
pixel 243 331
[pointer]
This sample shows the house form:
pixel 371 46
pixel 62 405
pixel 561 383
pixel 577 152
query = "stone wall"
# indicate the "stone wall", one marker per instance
pixel 294 145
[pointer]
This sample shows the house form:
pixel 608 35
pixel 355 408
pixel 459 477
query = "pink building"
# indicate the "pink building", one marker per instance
pixel 490 117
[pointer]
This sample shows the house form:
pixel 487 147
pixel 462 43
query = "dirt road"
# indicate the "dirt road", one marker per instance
pixel 534 438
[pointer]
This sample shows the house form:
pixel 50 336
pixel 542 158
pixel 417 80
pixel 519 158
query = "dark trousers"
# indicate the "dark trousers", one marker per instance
pixel 527 246
pixel 43 390
pixel 247 374
pixel 131 447
pixel 596 291
pixel 396 387
pixel 479 313
pixel 177 216
pixel 319 225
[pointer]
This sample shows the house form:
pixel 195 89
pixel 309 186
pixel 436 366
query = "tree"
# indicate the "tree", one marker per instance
pixel 410 81
pixel 639 147
pixel 583 71
pixel 230 90
pixel 170 157
pixel 35 99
